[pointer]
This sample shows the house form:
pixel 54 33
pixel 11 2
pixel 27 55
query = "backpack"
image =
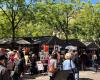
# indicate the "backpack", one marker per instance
pixel 51 69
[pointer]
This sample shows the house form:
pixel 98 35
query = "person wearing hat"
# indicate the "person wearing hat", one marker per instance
pixel 69 66
pixel 68 63
pixel 4 73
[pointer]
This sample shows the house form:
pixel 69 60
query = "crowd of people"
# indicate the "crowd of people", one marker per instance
pixel 68 64
pixel 72 63
pixel 14 63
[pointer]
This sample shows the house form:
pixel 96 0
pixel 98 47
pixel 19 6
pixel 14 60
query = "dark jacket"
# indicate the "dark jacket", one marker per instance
pixel 4 73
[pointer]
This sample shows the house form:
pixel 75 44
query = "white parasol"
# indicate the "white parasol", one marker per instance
pixel 70 47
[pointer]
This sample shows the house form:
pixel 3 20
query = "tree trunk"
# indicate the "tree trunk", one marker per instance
pixel 67 33
pixel 13 34
pixel 13 27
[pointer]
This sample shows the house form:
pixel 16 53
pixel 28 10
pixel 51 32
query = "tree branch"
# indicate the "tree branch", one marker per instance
pixel 6 14
pixel 18 22
pixel 8 3
pixel 21 17
pixel 16 12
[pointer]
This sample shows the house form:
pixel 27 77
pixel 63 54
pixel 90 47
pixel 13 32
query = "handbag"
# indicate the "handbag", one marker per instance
pixel 71 75
pixel 12 73
pixel 52 69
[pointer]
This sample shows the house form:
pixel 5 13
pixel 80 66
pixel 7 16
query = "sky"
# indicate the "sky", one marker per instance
pixel 93 1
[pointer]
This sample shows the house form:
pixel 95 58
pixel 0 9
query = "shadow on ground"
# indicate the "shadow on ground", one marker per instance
pixel 28 76
pixel 85 79
pixel 91 69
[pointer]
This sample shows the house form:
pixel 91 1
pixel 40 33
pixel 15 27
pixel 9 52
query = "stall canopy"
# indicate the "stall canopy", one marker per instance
pixel 8 42
pixel 3 41
pixel 70 47
pixel 50 40
pixel 92 45
pixel 74 42
pixel 22 41
pixel 17 41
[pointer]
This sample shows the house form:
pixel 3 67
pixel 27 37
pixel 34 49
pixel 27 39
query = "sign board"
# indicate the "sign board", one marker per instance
pixel 40 66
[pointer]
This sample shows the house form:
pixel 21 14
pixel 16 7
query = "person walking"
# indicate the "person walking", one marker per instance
pixel 4 73
pixel 52 67
pixel 69 66
pixel 94 61
pixel 76 60
pixel 18 67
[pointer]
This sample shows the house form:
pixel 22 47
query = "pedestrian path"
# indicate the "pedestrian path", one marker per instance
pixel 84 75
pixel 89 75
pixel 42 76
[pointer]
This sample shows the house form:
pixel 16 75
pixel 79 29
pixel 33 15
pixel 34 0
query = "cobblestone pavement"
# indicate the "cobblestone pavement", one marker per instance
pixel 84 75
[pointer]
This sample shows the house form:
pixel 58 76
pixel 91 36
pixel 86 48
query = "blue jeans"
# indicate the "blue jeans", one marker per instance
pixel 95 66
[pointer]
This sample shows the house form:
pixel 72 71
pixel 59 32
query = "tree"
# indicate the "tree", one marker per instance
pixel 88 22
pixel 15 11
pixel 57 15
pixel 4 31
pixel 73 20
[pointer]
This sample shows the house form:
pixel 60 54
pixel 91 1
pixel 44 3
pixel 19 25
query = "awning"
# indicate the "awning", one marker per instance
pixel 70 47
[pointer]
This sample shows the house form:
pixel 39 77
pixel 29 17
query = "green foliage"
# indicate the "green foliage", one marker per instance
pixel 14 11
pixel 55 15
pixel 73 20
pixel 88 19
pixel 4 31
